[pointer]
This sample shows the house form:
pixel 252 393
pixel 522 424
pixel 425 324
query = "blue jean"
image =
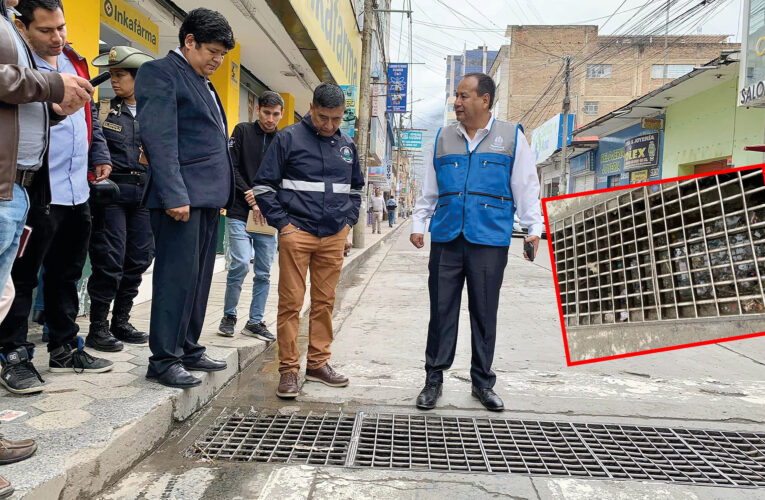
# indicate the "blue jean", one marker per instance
pixel 13 215
pixel 241 245
pixel 391 217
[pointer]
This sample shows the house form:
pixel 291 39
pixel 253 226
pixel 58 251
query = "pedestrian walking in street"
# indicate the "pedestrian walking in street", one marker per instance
pixel 185 137
pixel 378 207
pixel 309 188
pixel 391 206
pixel 122 244
pixel 59 213
pixel 491 175
pixel 248 147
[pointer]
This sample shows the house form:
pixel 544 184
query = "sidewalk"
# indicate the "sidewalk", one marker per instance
pixel 92 428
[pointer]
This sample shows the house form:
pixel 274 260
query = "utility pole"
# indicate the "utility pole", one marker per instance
pixel 666 45
pixel 365 114
pixel 566 109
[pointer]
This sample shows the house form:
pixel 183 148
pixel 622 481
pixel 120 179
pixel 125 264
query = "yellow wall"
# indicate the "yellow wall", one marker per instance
pixel 288 116
pixel 333 29
pixel 83 28
pixel 226 83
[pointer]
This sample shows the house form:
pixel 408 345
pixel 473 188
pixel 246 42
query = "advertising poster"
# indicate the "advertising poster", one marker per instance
pixel 397 83
pixel 349 118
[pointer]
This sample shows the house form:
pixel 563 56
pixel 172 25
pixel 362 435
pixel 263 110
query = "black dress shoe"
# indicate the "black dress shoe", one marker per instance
pixel 176 376
pixel 489 399
pixel 206 364
pixel 428 396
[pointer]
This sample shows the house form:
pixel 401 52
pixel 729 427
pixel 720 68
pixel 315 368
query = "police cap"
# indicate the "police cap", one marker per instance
pixel 121 56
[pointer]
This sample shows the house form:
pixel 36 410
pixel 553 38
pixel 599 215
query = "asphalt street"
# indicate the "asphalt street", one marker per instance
pixel 381 322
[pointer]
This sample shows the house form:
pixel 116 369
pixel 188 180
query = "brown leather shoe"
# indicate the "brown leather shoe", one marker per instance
pixel 5 488
pixel 16 451
pixel 326 375
pixel 288 385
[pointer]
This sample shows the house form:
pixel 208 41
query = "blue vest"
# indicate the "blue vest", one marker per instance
pixel 474 196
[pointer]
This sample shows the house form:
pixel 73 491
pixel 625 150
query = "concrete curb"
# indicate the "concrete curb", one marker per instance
pixel 88 471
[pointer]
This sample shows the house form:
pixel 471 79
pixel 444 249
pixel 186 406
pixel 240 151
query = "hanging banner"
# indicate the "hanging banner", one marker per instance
pixel 397 83
pixel 348 125
pixel 410 139
pixel 641 152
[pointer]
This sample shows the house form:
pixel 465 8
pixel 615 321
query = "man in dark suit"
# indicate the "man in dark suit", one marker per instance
pixel 185 136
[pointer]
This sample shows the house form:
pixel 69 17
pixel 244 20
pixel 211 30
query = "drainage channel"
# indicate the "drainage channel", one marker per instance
pixel 490 445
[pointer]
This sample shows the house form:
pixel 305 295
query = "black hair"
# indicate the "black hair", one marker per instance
pixel 133 71
pixel 269 99
pixel 26 9
pixel 328 95
pixel 207 26
pixel 485 86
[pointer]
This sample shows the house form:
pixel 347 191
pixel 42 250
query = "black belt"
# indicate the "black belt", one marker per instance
pixel 129 178
pixel 24 178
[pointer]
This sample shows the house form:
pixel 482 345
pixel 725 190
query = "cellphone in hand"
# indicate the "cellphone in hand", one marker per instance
pixel 528 247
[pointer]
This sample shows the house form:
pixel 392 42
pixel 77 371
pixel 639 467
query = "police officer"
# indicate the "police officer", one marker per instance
pixel 122 244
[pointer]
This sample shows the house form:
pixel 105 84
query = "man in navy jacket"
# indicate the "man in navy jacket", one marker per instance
pixel 185 136
pixel 309 187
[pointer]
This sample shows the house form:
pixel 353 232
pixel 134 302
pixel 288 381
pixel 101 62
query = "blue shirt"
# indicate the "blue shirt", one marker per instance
pixel 68 153
pixel 33 118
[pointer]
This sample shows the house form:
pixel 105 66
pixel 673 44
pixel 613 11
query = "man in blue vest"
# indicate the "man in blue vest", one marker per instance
pixel 482 172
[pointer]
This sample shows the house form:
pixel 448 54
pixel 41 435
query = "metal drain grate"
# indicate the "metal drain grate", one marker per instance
pixel 421 442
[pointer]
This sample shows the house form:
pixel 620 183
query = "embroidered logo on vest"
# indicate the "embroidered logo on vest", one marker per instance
pixel 346 154
pixel 498 144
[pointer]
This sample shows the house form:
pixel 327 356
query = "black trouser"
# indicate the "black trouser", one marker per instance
pixel 121 247
pixel 59 240
pixel 450 265
pixel 183 268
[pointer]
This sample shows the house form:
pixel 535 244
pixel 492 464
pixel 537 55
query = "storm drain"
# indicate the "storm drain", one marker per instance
pixel 465 444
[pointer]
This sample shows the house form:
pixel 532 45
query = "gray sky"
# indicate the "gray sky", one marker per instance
pixel 459 22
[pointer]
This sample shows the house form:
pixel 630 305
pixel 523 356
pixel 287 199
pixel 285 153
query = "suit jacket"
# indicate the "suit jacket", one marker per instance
pixel 183 137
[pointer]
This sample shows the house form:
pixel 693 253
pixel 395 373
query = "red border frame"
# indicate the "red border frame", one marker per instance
pixel 761 166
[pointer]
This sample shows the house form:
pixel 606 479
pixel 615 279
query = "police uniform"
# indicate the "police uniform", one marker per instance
pixel 122 243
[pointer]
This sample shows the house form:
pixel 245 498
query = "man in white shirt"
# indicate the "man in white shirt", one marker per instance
pixel 378 206
pixel 480 173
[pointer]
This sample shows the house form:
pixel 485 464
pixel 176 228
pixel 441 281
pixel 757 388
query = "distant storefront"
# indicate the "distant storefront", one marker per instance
pixel 629 156
pixel 582 169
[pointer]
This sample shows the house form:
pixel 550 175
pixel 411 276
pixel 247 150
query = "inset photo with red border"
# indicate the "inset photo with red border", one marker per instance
pixel 659 265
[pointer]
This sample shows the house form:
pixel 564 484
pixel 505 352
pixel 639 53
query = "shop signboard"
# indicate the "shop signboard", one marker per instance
pixel 582 163
pixel 752 76
pixel 638 176
pixel 641 152
pixel 129 21
pixel 398 74
pixel 333 30
pixel 348 124
pixel 548 137
pixel 411 139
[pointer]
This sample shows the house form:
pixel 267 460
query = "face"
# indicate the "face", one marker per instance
pixel 122 82
pixel 326 120
pixel 206 58
pixel 46 33
pixel 469 106
pixel 11 3
pixel 269 117
pixel 377 191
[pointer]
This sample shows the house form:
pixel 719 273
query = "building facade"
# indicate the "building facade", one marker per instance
pixel 477 60
pixel 606 71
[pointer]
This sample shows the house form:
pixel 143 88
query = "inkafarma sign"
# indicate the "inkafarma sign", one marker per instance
pixel 752 76
pixel 126 19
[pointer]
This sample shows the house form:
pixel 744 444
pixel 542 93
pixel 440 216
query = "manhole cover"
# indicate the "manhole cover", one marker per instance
pixel 430 442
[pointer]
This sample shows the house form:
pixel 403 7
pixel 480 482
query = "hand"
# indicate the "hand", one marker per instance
pixel 417 239
pixel 77 93
pixel 535 240
pixel 250 198
pixel 180 214
pixel 289 227
pixel 102 172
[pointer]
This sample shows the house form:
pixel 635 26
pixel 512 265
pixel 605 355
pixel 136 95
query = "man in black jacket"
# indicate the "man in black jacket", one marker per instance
pixel 248 146
pixel 309 188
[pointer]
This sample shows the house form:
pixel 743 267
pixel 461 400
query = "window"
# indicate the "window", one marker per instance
pixel 673 70
pixel 590 108
pixel 598 71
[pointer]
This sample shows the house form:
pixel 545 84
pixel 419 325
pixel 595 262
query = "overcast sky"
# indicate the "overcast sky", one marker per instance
pixel 458 18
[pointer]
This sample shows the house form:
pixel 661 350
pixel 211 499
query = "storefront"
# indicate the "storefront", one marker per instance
pixel 582 169
pixel 628 156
